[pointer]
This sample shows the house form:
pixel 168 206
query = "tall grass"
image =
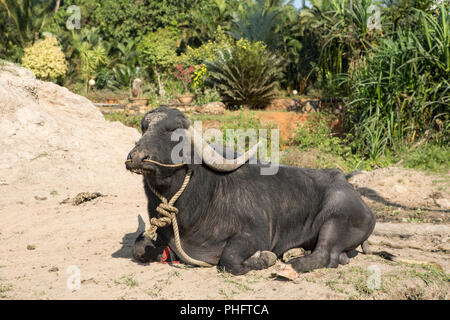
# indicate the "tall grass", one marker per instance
pixel 401 93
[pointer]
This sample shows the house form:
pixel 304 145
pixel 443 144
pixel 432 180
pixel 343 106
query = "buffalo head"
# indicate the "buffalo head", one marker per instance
pixel 162 130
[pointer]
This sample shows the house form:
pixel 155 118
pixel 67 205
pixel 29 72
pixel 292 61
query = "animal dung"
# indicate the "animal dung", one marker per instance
pixel 82 197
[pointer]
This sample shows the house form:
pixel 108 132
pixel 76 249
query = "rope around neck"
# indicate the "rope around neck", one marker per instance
pixel 168 212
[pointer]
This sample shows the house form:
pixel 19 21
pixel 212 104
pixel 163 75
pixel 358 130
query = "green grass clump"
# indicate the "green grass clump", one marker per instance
pixel 323 148
pixel 429 157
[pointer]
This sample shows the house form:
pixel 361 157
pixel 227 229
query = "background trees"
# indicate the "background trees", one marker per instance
pixel 29 17
pixel 392 79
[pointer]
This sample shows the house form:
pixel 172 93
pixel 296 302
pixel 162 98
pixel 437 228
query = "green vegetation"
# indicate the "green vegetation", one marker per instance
pixel 245 74
pixel 127 280
pixel 388 61
pixel 402 92
pixel 430 157
pixel 45 59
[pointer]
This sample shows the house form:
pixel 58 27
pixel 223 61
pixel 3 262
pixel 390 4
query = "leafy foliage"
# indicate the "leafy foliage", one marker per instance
pixel 29 16
pixel 45 59
pixel 256 21
pixel 208 50
pixel 344 38
pixel 402 92
pixel 158 49
pixel 394 80
pixel 158 53
pixel 245 74
pixel 121 20
pixel 206 18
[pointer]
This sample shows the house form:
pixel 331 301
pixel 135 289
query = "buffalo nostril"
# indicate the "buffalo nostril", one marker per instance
pixel 136 156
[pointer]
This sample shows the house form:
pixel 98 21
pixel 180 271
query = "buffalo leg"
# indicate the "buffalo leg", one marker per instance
pixel 241 255
pixel 331 247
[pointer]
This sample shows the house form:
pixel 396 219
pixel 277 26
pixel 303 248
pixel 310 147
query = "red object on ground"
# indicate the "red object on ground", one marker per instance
pixel 166 255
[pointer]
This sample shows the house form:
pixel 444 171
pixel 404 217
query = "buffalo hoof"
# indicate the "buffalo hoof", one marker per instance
pixel 269 258
pixel 343 258
pixel 261 260
pixel 365 247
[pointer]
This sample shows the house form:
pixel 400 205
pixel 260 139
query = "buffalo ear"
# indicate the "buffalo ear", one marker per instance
pixel 144 123
pixel 186 123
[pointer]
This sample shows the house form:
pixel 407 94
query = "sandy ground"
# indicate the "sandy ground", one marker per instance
pixel 42 239
pixel 55 145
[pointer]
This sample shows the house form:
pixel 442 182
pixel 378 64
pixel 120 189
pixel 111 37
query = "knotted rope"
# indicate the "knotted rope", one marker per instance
pixel 167 216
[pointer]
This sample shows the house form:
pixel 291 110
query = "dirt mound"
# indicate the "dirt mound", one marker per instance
pixel 52 137
pixel 406 195
pixel 286 122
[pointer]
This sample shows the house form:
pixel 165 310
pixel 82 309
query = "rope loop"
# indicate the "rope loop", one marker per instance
pixel 166 209
pixel 168 216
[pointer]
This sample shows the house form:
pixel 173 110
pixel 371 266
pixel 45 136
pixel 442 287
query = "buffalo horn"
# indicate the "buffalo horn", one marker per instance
pixel 213 159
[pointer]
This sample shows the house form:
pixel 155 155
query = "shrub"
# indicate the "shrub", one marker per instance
pixel 209 95
pixel 92 59
pixel 401 92
pixel 245 74
pixel 317 136
pixel 103 77
pixel 206 52
pixel 45 59
pixel 158 49
pixel 428 156
pixel 158 52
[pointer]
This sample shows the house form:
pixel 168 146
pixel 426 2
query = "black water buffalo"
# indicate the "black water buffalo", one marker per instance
pixel 236 218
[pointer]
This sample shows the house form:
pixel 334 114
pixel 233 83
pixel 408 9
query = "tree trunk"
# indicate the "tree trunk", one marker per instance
pixel 58 3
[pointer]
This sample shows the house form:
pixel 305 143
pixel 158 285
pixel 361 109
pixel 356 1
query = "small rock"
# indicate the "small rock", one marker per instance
pixel 442 203
pixel 53 269
pixel 436 195
pixel 212 108
pixel 400 189
pixel 280 104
